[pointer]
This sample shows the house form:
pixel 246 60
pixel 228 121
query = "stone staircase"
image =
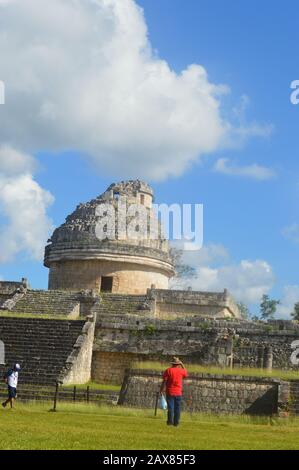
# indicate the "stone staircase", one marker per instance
pixel 294 395
pixel 118 304
pixel 4 298
pixel 41 346
pixel 51 302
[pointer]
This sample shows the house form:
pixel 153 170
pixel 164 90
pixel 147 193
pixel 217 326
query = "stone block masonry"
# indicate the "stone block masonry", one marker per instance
pixel 77 369
pixel 130 276
pixel 219 394
pixel 197 340
pixel 109 367
pixel 180 303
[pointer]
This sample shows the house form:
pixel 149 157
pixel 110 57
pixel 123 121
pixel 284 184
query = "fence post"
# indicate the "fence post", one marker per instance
pixel 156 403
pixel 191 405
pixel 74 393
pixel 55 396
pixel 87 394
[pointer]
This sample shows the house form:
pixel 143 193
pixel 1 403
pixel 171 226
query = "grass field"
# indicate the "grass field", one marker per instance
pixel 78 426
pixel 94 386
pixel 247 372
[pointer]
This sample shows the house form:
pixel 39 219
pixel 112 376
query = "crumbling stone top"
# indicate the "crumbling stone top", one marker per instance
pixel 77 235
pixel 131 187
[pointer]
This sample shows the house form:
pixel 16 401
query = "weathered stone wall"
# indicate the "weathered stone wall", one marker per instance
pixel 168 310
pixel 110 367
pixel 9 287
pixel 248 346
pixel 128 278
pixel 220 394
pixel 197 340
pixel 182 303
pixel 77 369
pixel 139 338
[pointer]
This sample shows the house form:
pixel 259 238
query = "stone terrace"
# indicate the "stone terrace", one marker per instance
pixel 41 346
pixel 54 302
pixel 122 304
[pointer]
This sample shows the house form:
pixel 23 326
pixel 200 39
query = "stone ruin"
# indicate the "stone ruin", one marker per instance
pixel 108 306
pixel 78 259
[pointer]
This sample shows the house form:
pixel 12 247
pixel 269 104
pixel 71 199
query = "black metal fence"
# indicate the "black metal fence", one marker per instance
pixel 59 393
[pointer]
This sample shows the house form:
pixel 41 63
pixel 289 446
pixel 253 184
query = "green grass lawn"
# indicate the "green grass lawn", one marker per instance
pixel 199 369
pixel 94 386
pixel 91 427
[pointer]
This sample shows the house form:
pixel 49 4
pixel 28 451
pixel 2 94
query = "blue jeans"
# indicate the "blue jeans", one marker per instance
pixel 174 409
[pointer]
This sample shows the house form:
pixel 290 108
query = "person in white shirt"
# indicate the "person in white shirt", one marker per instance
pixel 11 378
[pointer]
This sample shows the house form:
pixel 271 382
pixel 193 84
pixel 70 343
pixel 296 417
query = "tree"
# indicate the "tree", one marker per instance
pixel 182 271
pixel 244 310
pixel 255 318
pixel 295 313
pixel 268 307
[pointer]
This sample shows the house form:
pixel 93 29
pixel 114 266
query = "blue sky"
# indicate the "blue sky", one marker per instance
pixel 251 48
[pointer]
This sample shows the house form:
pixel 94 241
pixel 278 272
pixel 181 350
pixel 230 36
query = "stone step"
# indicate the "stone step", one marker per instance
pixel 37 353
pixel 51 302
pixel 41 346
pixel 38 343
pixel 117 304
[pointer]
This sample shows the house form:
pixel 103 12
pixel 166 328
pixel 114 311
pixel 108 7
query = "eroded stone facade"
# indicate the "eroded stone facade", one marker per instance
pixel 79 259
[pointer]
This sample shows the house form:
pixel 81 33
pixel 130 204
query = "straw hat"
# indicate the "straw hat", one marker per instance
pixel 175 361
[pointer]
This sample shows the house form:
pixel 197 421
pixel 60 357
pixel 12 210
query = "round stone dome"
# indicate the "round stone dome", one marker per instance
pixel 119 260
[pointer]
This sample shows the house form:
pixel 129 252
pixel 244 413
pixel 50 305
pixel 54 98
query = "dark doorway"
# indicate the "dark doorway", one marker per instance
pixel 106 284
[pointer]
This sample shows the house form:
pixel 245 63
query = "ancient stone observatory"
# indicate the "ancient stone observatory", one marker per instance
pixel 79 259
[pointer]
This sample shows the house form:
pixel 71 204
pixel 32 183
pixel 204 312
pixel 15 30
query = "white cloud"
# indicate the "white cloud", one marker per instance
pixel 247 280
pixel 207 255
pixel 289 298
pixel 251 171
pixel 25 225
pixel 82 75
pixel 14 162
pixel 246 131
pixel 292 232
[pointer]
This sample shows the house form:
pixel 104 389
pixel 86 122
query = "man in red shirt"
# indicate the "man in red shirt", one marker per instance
pixel 173 383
